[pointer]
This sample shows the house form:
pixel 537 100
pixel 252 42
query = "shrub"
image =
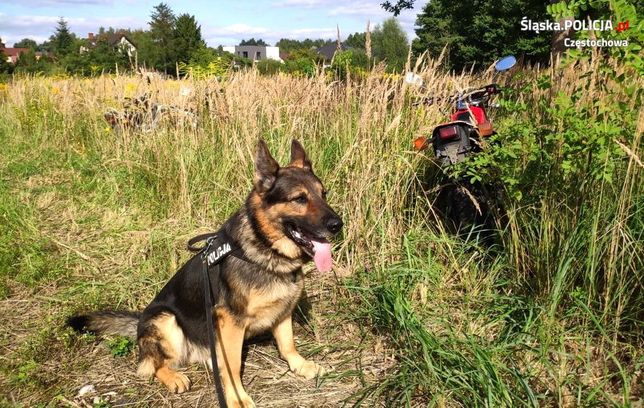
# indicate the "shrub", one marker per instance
pixel 350 61
pixel 268 67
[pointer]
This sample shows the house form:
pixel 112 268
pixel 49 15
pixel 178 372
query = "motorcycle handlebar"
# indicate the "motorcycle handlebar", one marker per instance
pixel 480 93
pixel 469 96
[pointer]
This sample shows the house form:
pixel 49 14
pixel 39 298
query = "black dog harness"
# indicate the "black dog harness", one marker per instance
pixel 218 245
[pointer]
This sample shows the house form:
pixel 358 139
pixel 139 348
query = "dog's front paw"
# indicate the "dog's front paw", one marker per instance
pixel 176 382
pixel 309 370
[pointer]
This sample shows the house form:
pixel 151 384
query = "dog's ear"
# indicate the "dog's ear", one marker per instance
pixel 265 168
pixel 298 156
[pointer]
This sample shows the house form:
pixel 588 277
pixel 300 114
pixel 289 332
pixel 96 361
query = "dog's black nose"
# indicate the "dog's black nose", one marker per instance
pixel 334 225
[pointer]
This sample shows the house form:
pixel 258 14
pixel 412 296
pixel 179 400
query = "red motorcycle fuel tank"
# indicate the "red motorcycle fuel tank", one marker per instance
pixel 483 124
pixel 464 114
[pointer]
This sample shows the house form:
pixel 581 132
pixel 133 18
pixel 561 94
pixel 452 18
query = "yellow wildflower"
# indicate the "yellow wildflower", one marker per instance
pixel 130 89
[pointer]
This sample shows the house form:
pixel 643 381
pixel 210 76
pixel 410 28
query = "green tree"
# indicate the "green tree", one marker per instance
pixel 351 61
pixel 26 43
pixel 204 56
pixel 302 61
pixel 288 45
pixel 5 66
pixel 397 6
pixel 356 40
pixel 102 57
pixel 269 67
pixel 208 62
pixel 62 41
pixel 146 49
pixel 482 33
pixel 188 37
pixel 307 53
pixel 162 26
pixel 629 54
pixel 253 41
pixel 45 46
pixel 28 63
pixel 390 44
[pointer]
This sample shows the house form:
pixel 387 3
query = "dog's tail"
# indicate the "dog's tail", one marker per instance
pixel 106 322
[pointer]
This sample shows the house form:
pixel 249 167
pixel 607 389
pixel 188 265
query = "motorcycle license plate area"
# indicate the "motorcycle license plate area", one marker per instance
pixel 451 142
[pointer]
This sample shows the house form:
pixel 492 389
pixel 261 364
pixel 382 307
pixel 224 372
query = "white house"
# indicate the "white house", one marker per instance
pixel 117 40
pixel 255 52
pixel 124 44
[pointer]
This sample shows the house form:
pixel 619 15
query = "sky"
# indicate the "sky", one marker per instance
pixel 222 22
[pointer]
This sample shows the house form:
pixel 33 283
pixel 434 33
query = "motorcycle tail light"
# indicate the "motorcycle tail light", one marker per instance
pixel 448 132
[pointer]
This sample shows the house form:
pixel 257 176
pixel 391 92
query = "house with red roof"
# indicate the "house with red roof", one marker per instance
pixel 13 54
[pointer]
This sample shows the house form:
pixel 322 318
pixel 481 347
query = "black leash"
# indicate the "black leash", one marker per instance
pixel 218 246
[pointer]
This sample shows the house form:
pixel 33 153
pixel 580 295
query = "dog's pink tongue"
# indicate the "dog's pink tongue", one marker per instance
pixel 322 256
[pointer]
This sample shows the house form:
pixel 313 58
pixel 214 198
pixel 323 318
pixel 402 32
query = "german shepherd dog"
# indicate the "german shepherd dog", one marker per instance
pixel 284 223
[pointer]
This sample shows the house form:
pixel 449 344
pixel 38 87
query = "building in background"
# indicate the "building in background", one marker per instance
pixel 327 51
pixel 13 54
pixel 255 52
pixel 118 40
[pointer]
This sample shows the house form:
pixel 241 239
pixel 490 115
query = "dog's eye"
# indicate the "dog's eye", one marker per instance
pixel 301 199
pixel 324 194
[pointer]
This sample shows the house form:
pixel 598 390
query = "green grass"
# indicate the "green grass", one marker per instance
pixel 120 346
pixel 484 345
pixel 23 249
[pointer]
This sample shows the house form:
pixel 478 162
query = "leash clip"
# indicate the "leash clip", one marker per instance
pixel 208 237
pixel 206 248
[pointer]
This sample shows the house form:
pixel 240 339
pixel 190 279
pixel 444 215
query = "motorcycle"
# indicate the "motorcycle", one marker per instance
pixel 472 206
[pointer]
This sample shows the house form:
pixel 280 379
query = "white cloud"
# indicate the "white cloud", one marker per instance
pixel 229 37
pixel 302 33
pixel 326 4
pixel 50 3
pixel 359 9
pixel 351 16
pixel 234 33
pixel 299 3
pixel 240 28
pixel 362 8
pixel 39 28
pixel 356 10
